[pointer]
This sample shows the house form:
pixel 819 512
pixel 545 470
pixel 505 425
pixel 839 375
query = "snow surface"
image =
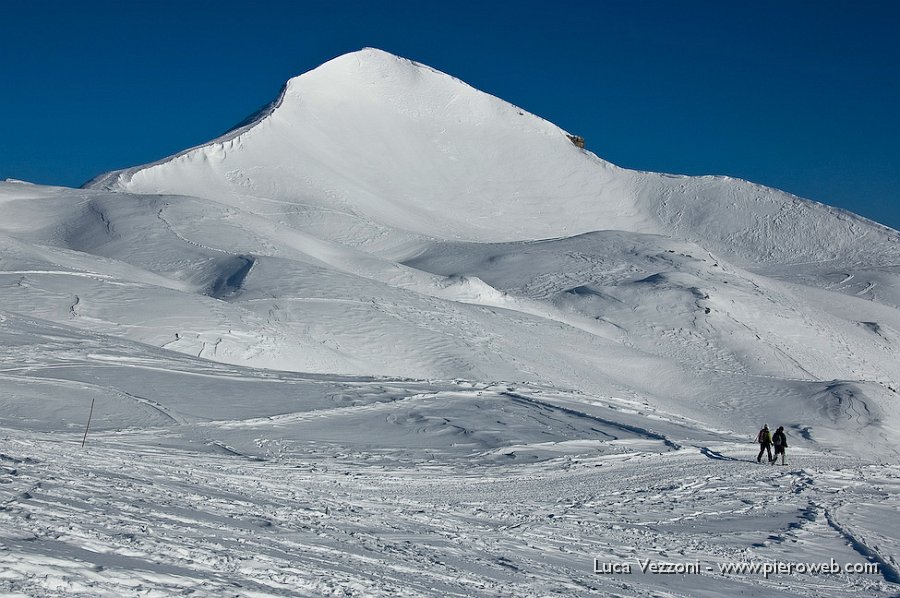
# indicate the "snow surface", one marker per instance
pixel 396 337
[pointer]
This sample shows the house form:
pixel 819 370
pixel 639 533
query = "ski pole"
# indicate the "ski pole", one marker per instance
pixel 88 423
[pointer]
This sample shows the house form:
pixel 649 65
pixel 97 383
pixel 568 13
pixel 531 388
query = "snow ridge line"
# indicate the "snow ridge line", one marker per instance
pixel 171 228
pixel 111 180
pixel 888 570
pixel 629 428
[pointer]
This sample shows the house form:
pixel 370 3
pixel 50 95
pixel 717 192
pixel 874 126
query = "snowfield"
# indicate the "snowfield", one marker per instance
pixel 397 337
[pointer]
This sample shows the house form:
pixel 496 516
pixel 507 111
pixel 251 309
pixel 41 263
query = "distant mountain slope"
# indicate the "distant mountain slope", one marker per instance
pixel 385 219
pixel 370 140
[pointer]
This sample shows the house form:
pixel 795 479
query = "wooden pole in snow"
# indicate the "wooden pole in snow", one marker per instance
pixel 88 423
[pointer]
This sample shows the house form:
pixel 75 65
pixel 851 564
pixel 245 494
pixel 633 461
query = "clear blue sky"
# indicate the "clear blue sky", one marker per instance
pixel 803 96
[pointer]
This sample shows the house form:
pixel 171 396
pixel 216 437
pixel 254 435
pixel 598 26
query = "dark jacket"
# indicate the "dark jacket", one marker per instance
pixel 779 438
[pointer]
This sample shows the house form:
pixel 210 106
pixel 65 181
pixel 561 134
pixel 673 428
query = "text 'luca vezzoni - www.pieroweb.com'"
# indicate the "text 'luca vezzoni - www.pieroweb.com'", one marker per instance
pixel 765 569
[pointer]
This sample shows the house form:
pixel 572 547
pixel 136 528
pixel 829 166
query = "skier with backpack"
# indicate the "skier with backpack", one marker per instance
pixel 779 439
pixel 765 443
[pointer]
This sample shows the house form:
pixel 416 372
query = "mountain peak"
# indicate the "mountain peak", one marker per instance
pixel 377 142
pixel 407 145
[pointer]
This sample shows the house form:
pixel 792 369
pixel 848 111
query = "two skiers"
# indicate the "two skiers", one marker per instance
pixel 766 440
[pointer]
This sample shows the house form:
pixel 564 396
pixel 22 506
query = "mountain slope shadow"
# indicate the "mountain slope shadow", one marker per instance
pixel 231 277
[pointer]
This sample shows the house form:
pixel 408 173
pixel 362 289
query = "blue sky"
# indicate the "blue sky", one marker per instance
pixel 802 96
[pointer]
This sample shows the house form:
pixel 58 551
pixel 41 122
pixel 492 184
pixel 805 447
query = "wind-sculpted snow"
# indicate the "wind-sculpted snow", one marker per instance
pixel 395 337
pixel 380 487
pixel 134 515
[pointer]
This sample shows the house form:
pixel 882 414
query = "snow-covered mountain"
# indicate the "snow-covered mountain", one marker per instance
pixel 389 265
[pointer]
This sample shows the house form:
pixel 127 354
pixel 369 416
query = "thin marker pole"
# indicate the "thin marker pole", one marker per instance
pixel 88 423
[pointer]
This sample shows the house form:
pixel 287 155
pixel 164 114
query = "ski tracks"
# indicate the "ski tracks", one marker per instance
pixel 150 520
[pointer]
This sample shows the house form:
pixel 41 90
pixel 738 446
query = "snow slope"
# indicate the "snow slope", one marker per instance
pixel 395 336
pixel 372 139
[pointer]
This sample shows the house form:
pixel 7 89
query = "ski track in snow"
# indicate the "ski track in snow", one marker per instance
pixel 148 520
